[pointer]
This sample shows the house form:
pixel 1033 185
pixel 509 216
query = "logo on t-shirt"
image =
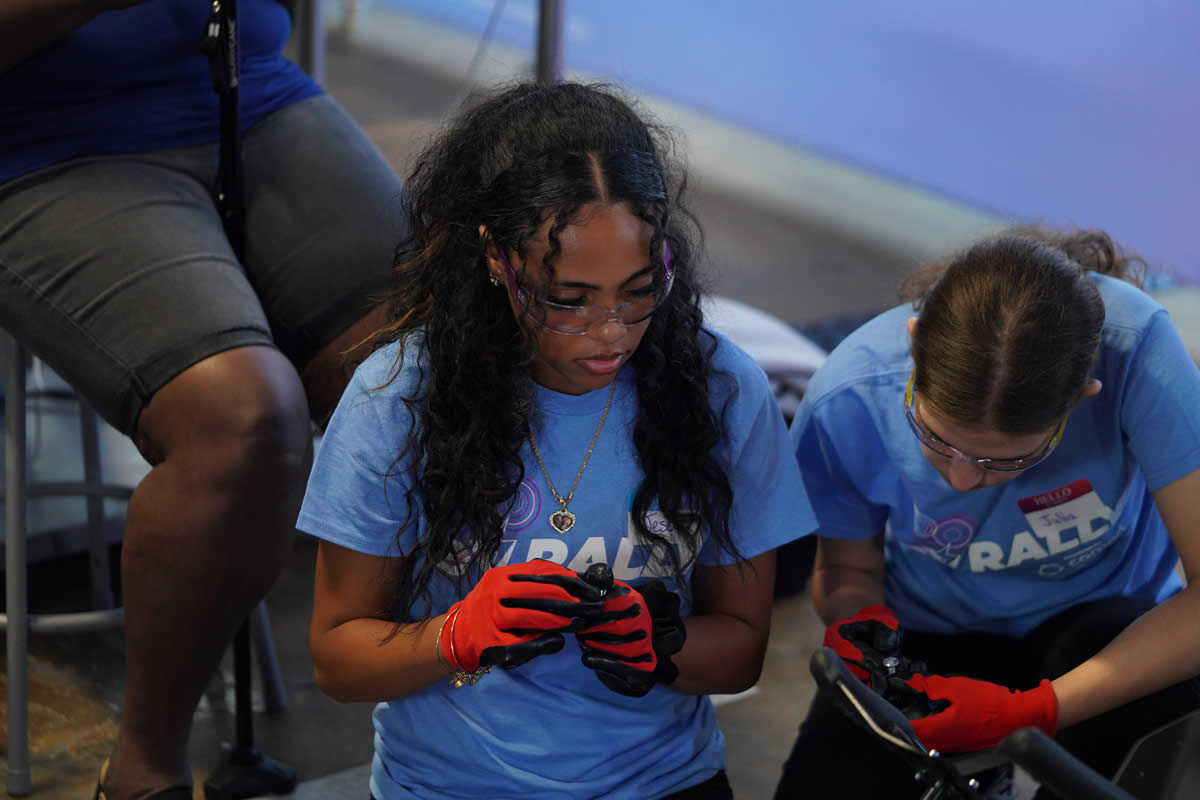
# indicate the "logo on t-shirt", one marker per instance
pixel 1067 528
pixel 526 507
pixel 630 557
pixel 948 536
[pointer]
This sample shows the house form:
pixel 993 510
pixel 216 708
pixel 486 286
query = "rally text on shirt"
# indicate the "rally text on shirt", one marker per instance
pixel 1069 527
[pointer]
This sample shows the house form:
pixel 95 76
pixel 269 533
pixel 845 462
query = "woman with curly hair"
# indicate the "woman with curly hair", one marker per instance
pixel 1006 472
pixel 549 501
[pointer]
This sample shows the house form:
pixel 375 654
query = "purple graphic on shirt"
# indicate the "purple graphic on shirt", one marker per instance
pixel 526 507
pixel 948 535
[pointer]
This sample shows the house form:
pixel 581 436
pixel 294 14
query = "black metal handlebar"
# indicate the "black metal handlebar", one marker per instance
pixel 948 776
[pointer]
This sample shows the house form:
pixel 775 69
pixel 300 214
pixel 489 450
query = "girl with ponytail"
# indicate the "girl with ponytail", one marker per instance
pixel 1006 472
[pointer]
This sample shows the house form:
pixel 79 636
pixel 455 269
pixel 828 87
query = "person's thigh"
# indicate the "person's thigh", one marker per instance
pixel 1006 660
pixel 324 218
pixel 715 788
pixel 116 272
pixel 1071 637
pixel 834 757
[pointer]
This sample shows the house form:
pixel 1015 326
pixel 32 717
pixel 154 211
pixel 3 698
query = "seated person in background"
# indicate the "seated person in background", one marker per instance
pixel 115 271
pixel 1009 477
pixel 547 400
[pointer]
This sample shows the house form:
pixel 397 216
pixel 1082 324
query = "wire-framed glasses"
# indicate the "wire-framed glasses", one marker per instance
pixel 931 440
pixel 569 312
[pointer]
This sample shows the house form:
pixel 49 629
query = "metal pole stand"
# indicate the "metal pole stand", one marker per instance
pixel 244 771
pixel 551 18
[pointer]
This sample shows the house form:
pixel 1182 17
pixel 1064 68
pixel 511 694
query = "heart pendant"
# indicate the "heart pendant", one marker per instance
pixel 562 521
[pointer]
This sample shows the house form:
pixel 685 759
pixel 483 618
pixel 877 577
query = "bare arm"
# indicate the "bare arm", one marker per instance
pixel 1160 648
pixel 350 660
pixel 847 576
pixel 29 26
pixel 727 636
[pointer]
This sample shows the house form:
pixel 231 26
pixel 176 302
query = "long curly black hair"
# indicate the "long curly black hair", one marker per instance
pixel 526 155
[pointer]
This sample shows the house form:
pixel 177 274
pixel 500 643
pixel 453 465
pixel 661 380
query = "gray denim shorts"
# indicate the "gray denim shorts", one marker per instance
pixel 116 271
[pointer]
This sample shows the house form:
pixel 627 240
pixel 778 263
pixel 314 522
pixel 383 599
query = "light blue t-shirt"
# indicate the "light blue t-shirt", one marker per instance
pixel 550 729
pixel 1080 526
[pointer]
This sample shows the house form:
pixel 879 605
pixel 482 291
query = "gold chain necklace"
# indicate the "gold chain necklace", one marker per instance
pixel 563 520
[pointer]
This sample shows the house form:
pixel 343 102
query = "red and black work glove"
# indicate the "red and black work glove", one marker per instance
pixel 516 613
pixel 865 639
pixel 956 714
pixel 630 644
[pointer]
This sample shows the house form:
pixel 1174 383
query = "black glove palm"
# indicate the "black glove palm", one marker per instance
pixel 632 651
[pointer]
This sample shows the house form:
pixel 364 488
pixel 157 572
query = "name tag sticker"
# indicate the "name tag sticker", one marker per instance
pixel 1057 497
pixel 1070 515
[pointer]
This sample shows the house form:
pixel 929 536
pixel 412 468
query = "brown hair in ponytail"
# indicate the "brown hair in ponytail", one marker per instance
pixel 1008 330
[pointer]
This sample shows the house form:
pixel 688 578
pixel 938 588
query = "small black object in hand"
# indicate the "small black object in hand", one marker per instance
pixel 600 576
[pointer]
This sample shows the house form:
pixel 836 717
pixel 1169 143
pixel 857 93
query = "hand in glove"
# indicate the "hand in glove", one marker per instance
pixel 516 613
pixel 865 639
pixel 668 632
pixel 629 645
pixel 955 714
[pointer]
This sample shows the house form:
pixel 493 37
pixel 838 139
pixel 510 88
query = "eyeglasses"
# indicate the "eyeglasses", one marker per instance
pixel 930 440
pixel 575 316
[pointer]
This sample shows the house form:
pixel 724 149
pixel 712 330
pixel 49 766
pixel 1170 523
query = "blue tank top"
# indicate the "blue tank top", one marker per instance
pixel 137 80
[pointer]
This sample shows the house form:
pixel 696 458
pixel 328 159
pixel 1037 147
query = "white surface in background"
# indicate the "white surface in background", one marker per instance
pixel 777 347
pixel 1183 305
pixel 725 699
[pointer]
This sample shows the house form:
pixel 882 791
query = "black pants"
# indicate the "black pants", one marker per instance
pixel 833 757
pixel 715 788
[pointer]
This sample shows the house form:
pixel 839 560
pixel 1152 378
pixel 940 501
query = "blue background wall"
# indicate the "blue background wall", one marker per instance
pixel 1070 112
